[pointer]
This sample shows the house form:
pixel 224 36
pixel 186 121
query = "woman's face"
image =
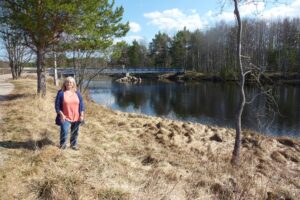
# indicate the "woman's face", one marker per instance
pixel 69 85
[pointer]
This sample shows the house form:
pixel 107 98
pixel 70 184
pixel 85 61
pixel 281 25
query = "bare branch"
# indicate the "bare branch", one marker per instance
pixel 247 72
pixel 257 95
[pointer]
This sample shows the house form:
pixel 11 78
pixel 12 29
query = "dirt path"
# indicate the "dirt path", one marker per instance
pixel 5 89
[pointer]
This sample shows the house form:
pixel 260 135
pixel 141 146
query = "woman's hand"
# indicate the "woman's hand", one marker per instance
pixel 81 118
pixel 62 117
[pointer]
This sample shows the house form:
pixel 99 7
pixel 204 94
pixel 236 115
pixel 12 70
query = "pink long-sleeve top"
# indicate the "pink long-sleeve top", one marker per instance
pixel 71 106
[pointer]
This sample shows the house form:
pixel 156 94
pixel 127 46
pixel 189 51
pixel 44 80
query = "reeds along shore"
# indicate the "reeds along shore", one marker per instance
pixel 131 156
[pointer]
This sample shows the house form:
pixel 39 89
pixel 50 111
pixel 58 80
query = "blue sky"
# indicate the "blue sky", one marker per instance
pixel 147 17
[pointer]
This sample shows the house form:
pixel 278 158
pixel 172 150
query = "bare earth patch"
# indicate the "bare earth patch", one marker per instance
pixel 131 156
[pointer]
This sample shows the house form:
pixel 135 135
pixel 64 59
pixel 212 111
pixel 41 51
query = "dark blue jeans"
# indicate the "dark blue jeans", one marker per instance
pixel 64 130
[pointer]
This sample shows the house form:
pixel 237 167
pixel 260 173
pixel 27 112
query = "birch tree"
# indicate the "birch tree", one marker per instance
pixel 243 71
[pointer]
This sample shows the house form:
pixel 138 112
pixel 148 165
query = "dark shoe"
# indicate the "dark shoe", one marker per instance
pixel 63 146
pixel 74 148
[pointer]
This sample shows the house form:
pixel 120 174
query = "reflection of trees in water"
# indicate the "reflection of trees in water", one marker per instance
pixel 193 100
pixel 261 115
pixel 211 100
pixel 205 99
pixel 160 96
pixel 288 100
pixel 129 94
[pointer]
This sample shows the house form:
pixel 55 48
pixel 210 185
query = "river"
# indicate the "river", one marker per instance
pixel 204 102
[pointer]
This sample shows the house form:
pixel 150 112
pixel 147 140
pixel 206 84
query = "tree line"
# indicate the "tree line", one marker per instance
pixel 270 44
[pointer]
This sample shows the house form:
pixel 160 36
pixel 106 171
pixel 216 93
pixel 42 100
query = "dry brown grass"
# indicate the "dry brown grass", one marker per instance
pixel 130 156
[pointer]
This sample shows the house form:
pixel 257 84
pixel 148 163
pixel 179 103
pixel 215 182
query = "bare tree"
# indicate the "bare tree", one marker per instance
pixel 243 71
pixel 17 53
pixel 242 74
pixel 82 60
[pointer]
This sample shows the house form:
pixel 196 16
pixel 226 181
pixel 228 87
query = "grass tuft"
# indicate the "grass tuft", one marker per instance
pixel 112 194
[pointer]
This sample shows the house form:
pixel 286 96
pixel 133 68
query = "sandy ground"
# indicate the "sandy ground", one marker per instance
pixel 5 89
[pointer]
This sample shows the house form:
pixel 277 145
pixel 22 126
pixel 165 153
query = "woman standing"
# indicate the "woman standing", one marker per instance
pixel 69 107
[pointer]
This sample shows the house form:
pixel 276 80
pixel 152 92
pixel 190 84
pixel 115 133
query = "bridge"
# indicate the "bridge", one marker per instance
pixel 117 70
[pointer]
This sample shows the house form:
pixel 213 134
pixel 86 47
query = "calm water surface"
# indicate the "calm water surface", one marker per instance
pixel 204 102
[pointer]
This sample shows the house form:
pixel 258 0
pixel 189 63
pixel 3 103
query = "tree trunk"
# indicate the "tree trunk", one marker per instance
pixel 41 74
pixel 12 69
pixel 20 69
pixel 12 61
pixel 237 145
pixel 55 71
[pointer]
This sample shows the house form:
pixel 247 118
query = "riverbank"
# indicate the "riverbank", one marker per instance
pixel 132 156
pixel 190 76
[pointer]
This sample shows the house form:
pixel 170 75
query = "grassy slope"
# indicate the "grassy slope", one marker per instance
pixel 130 156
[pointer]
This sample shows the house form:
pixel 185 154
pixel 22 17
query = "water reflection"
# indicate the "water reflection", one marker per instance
pixel 205 102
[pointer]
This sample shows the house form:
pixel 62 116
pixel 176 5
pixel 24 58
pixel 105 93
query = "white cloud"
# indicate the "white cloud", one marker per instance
pixel 134 27
pixel 174 19
pixel 193 10
pixel 290 10
pixel 251 8
pixel 258 10
pixel 246 9
pixel 226 16
pixel 130 38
